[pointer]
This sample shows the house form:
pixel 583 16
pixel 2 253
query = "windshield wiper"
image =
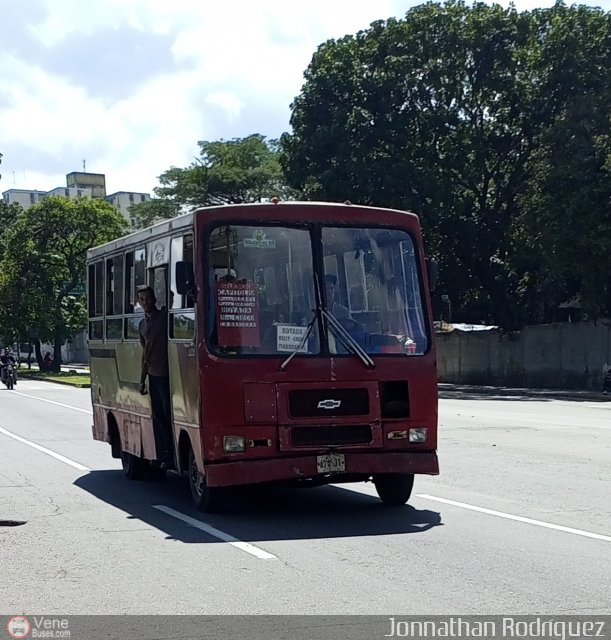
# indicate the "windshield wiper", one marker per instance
pixel 300 346
pixel 346 339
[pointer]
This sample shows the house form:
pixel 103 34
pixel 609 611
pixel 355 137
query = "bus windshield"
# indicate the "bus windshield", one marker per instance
pixel 265 289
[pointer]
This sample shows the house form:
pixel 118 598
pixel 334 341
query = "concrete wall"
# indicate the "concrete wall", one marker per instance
pixel 554 356
pixel 74 351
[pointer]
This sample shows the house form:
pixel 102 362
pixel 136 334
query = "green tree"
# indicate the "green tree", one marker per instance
pixel 227 172
pixel 442 113
pixel 565 211
pixel 144 214
pixel 44 267
pixel 8 215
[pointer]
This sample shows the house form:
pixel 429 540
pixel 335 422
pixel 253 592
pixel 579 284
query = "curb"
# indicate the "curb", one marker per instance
pixel 77 385
pixel 566 394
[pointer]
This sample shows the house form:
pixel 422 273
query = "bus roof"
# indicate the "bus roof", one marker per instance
pixel 183 221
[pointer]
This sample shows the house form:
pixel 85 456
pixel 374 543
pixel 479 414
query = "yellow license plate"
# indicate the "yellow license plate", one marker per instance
pixel 331 463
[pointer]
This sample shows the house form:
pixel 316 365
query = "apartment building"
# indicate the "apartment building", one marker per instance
pixel 79 184
pixel 23 197
pixel 123 200
pixel 82 180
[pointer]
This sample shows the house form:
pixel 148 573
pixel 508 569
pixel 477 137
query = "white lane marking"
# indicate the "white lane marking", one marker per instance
pixel 509 516
pixel 217 533
pixel 59 404
pixel 38 447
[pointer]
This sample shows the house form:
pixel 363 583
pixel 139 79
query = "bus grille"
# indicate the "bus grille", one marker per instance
pixel 320 403
pixel 350 434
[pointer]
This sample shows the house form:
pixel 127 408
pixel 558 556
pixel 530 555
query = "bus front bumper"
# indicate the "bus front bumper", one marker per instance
pixel 303 467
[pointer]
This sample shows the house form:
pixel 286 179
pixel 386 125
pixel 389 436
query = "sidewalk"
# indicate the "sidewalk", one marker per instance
pixel 79 368
pixel 549 394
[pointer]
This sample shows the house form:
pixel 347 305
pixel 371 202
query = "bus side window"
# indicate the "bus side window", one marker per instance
pixel 134 277
pixel 181 307
pixel 114 298
pixel 158 280
pixel 96 300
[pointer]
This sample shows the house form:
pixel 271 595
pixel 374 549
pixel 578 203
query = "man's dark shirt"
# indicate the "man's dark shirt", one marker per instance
pixel 154 341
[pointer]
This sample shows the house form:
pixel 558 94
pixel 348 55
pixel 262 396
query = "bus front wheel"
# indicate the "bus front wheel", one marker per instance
pixel 134 467
pixel 207 499
pixel 394 489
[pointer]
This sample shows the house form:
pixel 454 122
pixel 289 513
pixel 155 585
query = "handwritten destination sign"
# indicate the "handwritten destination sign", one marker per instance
pixel 238 314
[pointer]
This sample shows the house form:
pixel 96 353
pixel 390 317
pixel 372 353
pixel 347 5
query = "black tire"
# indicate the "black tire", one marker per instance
pixel 134 467
pixel 394 489
pixel 9 383
pixel 206 499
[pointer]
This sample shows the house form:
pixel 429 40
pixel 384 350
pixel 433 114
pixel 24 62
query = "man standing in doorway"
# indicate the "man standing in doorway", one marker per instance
pixel 154 341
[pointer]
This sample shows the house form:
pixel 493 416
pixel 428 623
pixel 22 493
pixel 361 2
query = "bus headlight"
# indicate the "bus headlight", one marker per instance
pixel 234 444
pixel 418 435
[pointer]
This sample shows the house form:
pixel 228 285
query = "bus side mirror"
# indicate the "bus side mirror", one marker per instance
pixel 185 280
pixel 432 270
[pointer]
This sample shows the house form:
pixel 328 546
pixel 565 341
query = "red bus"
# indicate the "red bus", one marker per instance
pixel 300 347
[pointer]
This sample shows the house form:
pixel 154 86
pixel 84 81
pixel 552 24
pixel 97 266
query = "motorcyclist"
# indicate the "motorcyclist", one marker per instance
pixel 8 358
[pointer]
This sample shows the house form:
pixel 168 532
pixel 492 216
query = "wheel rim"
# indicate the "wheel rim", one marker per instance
pixel 196 478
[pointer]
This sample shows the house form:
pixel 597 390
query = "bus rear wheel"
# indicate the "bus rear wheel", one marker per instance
pixel 207 499
pixel 394 489
pixel 134 467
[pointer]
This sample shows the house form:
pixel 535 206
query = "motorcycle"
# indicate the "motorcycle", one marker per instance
pixel 8 375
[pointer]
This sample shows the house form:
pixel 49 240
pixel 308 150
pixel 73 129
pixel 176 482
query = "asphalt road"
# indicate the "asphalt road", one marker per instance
pixel 518 522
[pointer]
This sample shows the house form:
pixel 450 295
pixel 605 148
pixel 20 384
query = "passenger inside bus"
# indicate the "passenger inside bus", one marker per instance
pixel 340 312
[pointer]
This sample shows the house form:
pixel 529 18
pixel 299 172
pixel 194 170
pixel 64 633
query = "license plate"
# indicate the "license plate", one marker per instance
pixel 331 463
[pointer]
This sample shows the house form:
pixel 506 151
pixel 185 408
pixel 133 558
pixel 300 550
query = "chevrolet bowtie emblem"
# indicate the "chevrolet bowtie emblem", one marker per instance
pixel 329 404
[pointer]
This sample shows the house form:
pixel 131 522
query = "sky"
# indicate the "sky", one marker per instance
pixel 128 87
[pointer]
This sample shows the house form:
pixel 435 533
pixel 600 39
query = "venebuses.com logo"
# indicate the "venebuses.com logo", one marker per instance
pixel 38 627
pixel 18 627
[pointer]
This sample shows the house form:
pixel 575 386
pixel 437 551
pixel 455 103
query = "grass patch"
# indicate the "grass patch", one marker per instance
pixel 66 377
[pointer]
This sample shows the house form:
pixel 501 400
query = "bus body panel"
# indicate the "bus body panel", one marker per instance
pixel 359 466
pixel 184 383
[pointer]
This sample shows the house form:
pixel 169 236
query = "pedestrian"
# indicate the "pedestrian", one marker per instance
pixel 154 340
pixel 47 361
pixel 607 381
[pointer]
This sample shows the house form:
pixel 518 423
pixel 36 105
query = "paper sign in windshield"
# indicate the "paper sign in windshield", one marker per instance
pixel 238 317
pixel 289 337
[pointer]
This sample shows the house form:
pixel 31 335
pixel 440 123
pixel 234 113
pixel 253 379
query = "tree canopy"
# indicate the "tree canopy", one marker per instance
pixel 461 114
pixel 144 214
pixel 226 172
pixel 43 268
